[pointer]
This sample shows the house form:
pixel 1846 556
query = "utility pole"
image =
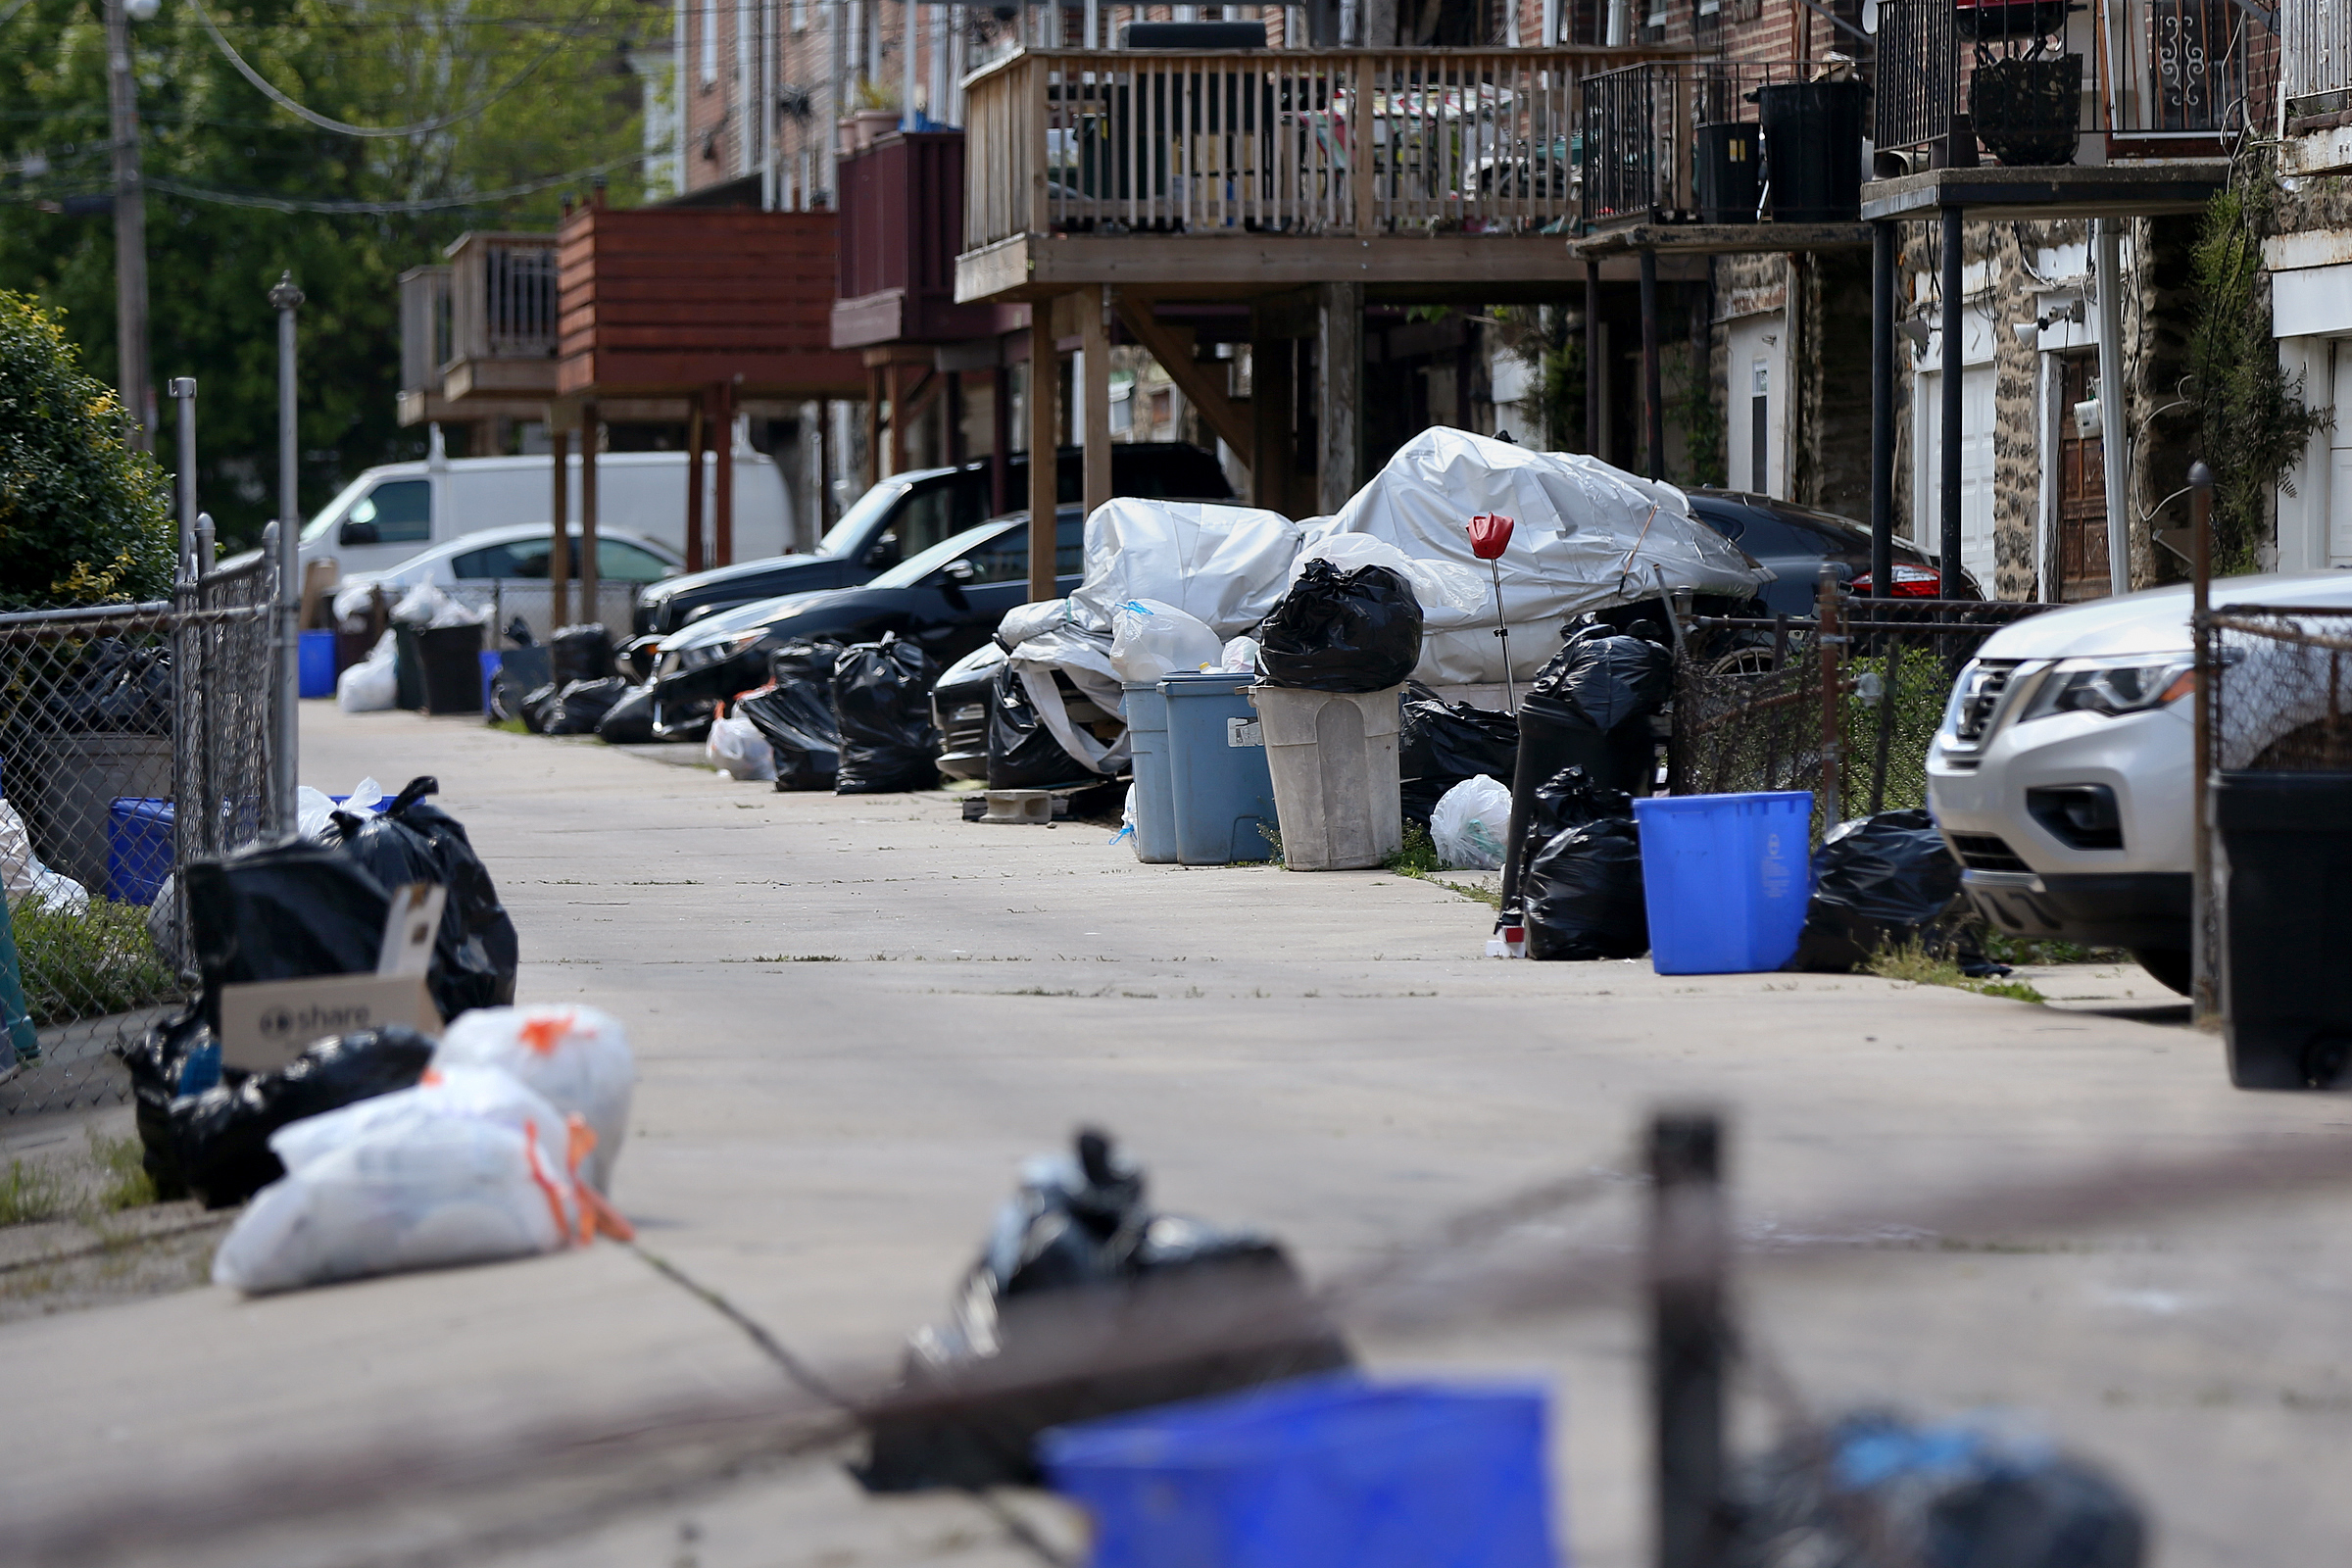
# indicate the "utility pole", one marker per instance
pixel 130 224
pixel 285 299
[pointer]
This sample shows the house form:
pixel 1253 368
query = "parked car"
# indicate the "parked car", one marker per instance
pixel 2062 774
pixel 949 599
pixel 1793 541
pixel 389 514
pixel 521 554
pixel 909 513
pixel 959 704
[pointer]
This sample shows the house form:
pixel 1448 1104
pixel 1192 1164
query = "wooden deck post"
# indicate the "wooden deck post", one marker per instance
pixel 876 388
pixel 591 429
pixel 558 510
pixel 695 427
pixel 1000 439
pixel 1045 440
pixel 1341 372
pixel 722 497
pixel 1273 458
pixel 1094 331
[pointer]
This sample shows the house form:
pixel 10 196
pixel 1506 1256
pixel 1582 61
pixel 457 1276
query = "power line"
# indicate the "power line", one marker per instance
pixel 324 123
pixel 431 204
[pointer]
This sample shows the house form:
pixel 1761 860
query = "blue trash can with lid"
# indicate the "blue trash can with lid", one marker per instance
pixel 1147 713
pixel 1219 783
pixel 1727 878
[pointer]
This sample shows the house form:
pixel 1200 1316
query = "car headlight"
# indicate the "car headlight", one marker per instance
pixel 2112 687
pixel 703 654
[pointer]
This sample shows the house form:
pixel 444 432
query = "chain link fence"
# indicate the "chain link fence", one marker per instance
pixel 1844 704
pixel 110 720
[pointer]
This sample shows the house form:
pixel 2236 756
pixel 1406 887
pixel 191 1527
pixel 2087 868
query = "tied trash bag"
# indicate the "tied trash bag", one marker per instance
pixel 1570 799
pixel 1875 1488
pixel 575 1056
pixel 1440 744
pixel 581 651
pixel 1471 823
pixel 737 749
pixel 1336 631
pixel 1582 896
pixel 220 1138
pixel 1076 1268
pixel 1878 882
pixel 579 706
pixel 794 714
pixel 372 685
pixel 1608 679
pixel 475 953
pixel 1151 641
pixel 629 721
pixel 1023 753
pixel 881 700
pixel 112 687
pixel 464 1169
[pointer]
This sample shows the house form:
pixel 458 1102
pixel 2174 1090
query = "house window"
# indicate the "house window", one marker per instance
pixel 709 43
pixel 800 15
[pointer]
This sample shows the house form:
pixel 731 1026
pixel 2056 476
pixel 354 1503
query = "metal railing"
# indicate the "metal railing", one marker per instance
pixel 1642 126
pixel 502 290
pixel 2315 47
pixel 1364 142
pixel 111 719
pixel 2151 77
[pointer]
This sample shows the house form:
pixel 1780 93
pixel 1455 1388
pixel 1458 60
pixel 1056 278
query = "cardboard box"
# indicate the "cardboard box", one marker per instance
pixel 267 1024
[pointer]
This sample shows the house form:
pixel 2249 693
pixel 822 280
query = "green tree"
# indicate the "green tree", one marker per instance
pixel 83 520
pixel 218 155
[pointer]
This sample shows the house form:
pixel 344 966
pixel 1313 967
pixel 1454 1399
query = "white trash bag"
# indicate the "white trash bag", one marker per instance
pixel 467 1167
pixel 24 877
pixel 736 747
pixel 370 686
pixel 1151 641
pixel 1240 657
pixel 1471 825
pixel 577 1058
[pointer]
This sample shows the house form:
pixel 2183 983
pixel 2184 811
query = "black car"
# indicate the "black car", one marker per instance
pixel 907 514
pixel 959 710
pixel 949 599
pixel 1794 541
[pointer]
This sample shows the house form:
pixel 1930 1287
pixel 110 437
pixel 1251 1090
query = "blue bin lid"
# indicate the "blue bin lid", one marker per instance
pixel 141 808
pixel 1710 804
pixel 1207 683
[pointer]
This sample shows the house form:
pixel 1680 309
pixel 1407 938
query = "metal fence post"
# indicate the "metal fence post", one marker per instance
pixel 2204 987
pixel 183 392
pixel 1831 644
pixel 285 298
pixel 1689 1334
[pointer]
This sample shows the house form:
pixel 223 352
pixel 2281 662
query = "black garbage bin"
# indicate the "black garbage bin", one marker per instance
pixel 452 661
pixel 2287 913
pixel 1554 735
pixel 1727 172
pixel 407 667
pixel 1813 150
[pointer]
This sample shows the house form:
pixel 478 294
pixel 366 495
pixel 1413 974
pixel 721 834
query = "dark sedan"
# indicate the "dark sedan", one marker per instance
pixel 1794 541
pixel 949 599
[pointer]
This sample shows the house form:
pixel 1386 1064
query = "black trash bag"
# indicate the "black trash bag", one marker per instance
pixel 1582 896
pixel 1022 754
pixel 283 911
pixel 112 687
pixel 882 706
pixel 629 721
pixel 220 1138
pixel 1570 799
pixel 1875 1488
pixel 155 1063
pixel 1606 677
pixel 794 715
pixel 519 632
pixel 580 653
pixel 521 674
pixel 1341 632
pixel 539 705
pixel 581 705
pixel 1440 744
pixel 475 953
pixel 1078 1270
pixel 1878 882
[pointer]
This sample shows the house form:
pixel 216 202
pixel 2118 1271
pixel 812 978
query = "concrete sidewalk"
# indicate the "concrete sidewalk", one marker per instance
pixel 854 1015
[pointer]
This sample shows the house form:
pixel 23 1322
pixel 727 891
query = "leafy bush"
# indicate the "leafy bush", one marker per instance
pixel 83 518
pixel 87 963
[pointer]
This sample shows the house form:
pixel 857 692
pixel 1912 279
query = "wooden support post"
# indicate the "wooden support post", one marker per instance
pixel 722 498
pixel 1205 385
pixel 1341 367
pixel 1045 429
pixel 954 445
pixel 695 426
pixel 824 468
pixel 1094 331
pixel 874 393
pixel 559 549
pixel 1689 1334
pixel 1272 457
pixel 902 415
pixel 591 434
pixel 999 441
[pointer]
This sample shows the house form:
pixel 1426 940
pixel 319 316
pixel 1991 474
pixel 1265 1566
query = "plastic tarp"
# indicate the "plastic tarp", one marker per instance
pixel 1225 566
pixel 1052 635
pixel 1587 537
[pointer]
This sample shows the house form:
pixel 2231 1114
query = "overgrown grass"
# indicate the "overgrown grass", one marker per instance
pixel 28 1193
pixel 127 1184
pixel 87 963
pixel 1913 963
pixel 1273 836
pixel 2002 947
pixel 1417 856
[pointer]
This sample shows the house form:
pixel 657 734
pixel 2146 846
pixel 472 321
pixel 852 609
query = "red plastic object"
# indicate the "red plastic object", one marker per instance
pixel 1489 536
pixel 1910 582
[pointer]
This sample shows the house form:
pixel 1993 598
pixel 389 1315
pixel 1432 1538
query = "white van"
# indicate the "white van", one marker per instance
pixel 388 514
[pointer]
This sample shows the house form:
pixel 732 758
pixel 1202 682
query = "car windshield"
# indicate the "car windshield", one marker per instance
pixel 912 570
pixel 876 503
pixel 333 513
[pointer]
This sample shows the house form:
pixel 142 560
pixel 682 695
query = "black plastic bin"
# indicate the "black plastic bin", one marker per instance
pixel 452 661
pixel 1552 736
pixel 1813 150
pixel 1727 172
pixel 408 668
pixel 2286 989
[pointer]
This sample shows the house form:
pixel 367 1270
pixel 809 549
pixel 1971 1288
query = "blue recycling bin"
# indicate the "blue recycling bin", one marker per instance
pixel 1727 878
pixel 1219 783
pixel 1146 713
pixel 317 663
pixel 138 849
pixel 1317 1473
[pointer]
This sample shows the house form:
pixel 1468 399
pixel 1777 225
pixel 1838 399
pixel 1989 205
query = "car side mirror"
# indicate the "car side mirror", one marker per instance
pixel 881 554
pixel 959 573
pixel 356 532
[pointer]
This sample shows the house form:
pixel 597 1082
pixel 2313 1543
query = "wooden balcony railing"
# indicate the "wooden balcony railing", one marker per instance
pixel 423 329
pixel 1315 142
pixel 503 297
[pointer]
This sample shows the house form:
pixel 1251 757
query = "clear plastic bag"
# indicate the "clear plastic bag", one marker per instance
pixel 577 1058
pixel 1472 823
pixel 1150 640
pixel 735 747
pixel 370 686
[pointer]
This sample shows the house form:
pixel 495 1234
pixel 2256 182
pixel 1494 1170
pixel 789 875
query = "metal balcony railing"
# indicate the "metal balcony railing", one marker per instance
pixel 1337 141
pixel 2314 46
pixel 502 290
pixel 1642 127
pixel 423 329
pixel 2151 77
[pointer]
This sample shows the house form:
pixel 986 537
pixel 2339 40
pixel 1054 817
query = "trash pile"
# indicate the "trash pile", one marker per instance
pixel 1077 1272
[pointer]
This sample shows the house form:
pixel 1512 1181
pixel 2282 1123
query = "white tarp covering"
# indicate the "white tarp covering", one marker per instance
pixel 1587 536
pixel 1223 565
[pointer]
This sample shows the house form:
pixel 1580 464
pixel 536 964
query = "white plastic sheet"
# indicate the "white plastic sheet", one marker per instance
pixel 1224 565
pixel 1587 537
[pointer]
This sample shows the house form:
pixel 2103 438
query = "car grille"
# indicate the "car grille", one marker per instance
pixel 1987 852
pixel 964 730
pixel 1982 688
